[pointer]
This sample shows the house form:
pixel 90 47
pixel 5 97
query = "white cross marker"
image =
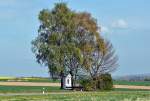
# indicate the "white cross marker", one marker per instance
pixel 43 91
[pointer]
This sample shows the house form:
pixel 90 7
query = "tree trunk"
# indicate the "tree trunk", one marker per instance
pixel 62 84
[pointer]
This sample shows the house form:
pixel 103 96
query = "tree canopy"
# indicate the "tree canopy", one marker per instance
pixel 69 41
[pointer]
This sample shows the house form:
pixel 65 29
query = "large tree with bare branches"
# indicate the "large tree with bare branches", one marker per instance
pixel 102 62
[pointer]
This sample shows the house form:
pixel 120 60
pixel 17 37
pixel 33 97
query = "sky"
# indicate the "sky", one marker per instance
pixel 125 23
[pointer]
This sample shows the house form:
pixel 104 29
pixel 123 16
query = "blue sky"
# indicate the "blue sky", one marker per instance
pixel 125 23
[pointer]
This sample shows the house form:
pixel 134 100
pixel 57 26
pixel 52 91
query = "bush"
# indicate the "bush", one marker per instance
pixel 104 82
pixel 147 79
pixel 87 84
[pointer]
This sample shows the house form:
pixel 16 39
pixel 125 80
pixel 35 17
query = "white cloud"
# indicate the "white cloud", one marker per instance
pixel 120 23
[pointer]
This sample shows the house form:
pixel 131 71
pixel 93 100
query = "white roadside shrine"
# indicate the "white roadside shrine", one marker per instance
pixel 67 81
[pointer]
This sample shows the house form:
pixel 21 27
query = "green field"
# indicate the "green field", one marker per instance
pixel 137 83
pixel 83 96
pixel 40 79
pixel 39 89
pixel 27 89
pixel 27 79
pixel 34 93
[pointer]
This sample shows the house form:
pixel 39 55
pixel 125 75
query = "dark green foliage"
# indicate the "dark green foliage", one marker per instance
pixel 147 79
pixel 87 84
pixel 105 82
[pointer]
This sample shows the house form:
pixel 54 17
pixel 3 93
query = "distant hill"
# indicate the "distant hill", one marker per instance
pixel 137 77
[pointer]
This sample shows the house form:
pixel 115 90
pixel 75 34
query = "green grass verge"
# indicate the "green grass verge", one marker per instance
pixel 83 96
pixel 28 89
pixel 137 83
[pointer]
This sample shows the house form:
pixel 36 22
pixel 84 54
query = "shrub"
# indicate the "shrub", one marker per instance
pixel 87 84
pixel 147 79
pixel 104 82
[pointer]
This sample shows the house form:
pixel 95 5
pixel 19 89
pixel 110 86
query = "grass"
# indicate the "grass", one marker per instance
pixel 83 96
pixel 56 94
pixel 137 83
pixel 47 89
pixel 28 89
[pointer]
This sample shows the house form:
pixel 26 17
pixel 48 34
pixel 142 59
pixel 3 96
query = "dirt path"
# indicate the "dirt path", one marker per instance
pixel 58 84
pixel 132 87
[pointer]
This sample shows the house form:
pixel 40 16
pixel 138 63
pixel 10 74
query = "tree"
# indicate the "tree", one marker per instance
pixel 98 54
pixel 66 41
pixel 54 43
pixel 103 62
